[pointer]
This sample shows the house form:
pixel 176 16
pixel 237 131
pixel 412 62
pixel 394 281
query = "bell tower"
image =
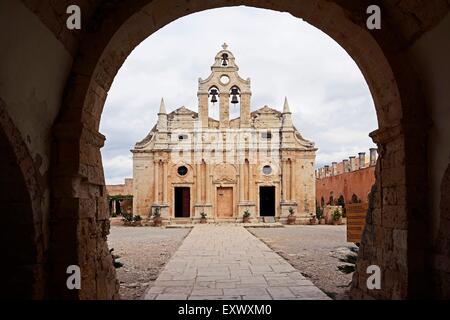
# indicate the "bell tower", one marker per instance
pixel 225 89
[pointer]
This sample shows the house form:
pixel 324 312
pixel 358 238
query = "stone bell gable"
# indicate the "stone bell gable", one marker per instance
pixel 192 164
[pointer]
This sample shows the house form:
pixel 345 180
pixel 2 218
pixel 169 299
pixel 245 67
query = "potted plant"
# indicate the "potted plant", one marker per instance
pixel 157 221
pixel 137 219
pixel 291 217
pixel 127 219
pixel 337 217
pixel 319 215
pixel 313 219
pixel 246 216
pixel 131 221
pixel 203 219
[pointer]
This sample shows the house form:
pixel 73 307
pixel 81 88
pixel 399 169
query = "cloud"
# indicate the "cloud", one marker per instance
pixel 283 56
pixel 118 167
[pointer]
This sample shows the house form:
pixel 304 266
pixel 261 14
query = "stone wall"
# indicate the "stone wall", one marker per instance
pixel 120 189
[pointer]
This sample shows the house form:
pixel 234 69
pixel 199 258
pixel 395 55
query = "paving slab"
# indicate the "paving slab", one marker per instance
pixel 226 262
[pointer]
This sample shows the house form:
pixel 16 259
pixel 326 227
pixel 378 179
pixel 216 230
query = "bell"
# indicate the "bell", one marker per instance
pixel 214 94
pixel 234 98
pixel 224 59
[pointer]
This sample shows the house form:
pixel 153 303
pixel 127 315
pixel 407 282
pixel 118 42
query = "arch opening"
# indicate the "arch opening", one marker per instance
pixel 95 82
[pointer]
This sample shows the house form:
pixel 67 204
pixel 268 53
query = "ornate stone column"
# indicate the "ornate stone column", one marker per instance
pixel 292 181
pixel 156 181
pixel 283 180
pixel 241 183
pixel 165 182
pixel 198 183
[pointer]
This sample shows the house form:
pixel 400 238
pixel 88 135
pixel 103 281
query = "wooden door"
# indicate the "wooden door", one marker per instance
pixel 186 202
pixel 224 202
pixel 356 221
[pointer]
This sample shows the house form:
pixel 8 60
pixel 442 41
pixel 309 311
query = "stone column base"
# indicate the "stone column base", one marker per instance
pixel 285 207
pixel 242 207
pixel 199 208
pixel 163 210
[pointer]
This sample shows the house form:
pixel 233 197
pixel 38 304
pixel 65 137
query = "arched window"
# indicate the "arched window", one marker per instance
pixel 331 201
pixel 355 199
pixel 341 201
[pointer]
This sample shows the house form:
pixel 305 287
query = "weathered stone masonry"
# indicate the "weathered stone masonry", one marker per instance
pixel 58 108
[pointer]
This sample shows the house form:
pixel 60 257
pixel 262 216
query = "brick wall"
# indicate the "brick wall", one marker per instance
pixel 357 182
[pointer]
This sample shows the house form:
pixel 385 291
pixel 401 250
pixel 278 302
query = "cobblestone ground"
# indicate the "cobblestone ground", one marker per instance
pixel 314 251
pixel 144 251
pixel 223 262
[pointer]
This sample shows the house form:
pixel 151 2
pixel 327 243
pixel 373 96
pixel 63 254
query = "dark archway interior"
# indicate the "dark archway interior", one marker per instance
pixel 267 201
pixel 17 239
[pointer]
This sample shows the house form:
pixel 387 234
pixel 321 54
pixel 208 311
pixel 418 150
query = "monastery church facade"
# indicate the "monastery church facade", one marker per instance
pixel 191 164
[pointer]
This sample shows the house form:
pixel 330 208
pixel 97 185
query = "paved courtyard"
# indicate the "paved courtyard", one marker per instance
pixel 315 251
pixel 217 262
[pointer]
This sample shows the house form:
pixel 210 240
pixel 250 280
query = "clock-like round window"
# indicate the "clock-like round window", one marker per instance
pixel 224 79
pixel 267 170
pixel 182 171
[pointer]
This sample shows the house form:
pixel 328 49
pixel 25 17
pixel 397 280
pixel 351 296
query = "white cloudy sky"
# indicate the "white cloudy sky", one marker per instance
pixel 283 55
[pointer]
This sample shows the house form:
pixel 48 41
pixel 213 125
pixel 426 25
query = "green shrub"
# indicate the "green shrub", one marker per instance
pixel 337 215
pixel 128 217
pixel 319 213
pixel 157 212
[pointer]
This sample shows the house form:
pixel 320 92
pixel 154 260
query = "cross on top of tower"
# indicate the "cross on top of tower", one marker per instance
pixel 225 46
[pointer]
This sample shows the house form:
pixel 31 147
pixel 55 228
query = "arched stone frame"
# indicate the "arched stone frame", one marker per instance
pixel 23 239
pixel 442 244
pixel 401 194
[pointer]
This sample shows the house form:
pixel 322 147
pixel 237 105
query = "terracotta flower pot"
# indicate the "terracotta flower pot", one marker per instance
pixel 322 221
pixel 337 222
pixel 157 222
pixel 203 220
pixel 291 219
pixel 246 220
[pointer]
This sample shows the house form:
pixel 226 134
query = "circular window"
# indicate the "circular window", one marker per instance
pixel 182 171
pixel 267 170
pixel 224 79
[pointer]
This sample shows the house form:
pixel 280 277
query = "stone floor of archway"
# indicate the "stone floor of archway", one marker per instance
pixel 226 262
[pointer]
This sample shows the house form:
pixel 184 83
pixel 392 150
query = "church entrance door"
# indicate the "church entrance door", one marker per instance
pixel 182 202
pixel 224 202
pixel 267 201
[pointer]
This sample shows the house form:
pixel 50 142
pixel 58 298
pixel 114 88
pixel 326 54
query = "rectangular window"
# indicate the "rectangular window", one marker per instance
pixel 266 135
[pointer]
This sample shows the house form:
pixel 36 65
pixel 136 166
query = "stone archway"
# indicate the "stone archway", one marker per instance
pixel 80 208
pixel 22 239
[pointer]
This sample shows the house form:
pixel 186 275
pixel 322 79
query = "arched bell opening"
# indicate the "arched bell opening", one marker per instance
pixel 214 102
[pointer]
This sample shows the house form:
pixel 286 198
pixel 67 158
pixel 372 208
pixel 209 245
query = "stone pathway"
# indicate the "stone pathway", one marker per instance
pixel 226 262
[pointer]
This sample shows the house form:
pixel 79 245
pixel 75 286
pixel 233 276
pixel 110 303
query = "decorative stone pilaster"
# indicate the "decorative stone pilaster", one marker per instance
pixel 285 212
pixel 247 205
